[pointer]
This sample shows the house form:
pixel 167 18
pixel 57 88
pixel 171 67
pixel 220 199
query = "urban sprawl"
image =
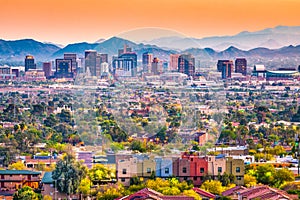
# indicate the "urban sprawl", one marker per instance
pixel 138 127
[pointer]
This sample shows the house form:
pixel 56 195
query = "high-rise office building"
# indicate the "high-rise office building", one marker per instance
pixel 186 64
pixel 220 64
pixel 154 66
pixel 227 68
pixel 241 66
pixel 125 64
pixel 101 58
pixel 73 57
pixel 47 69
pixel 90 61
pixel 63 68
pixel 29 63
pixel 174 62
pixel 147 59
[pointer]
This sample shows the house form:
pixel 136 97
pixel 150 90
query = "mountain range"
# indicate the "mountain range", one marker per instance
pixel 272 38
pixel 14 52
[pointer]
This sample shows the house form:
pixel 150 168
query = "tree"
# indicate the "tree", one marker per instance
pixel 265 174
pixel 249 180
pixel 68 174
pixel 137 145
pixel 225 179
pixel 213 186
pixel 99 173
pixel 17 166
pixel 51 121
pixel 283 175
pixel 26 193
pixel 85 186
pixel 111 192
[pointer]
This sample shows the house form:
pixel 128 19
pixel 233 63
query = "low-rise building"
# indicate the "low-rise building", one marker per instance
pixel 126 169
pixel 163 167
pixel 216 165
pixel 236 167
pixel 12 180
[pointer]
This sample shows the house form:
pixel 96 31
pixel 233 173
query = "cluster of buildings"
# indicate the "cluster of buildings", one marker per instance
pixel 127 65
pixel 95 64
pixel 188 167
pixel 228 68
pixel 238 69
pixel 12 180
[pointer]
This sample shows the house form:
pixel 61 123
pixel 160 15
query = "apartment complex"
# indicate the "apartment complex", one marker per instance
pixel 188 167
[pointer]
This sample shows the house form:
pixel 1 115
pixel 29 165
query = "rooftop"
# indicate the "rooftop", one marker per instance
pixel 18 172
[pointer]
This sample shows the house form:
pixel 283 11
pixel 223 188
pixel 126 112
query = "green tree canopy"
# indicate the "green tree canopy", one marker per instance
pixel 68 174
pixel 26 193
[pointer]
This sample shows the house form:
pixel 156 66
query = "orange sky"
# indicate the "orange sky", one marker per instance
pixel 69 21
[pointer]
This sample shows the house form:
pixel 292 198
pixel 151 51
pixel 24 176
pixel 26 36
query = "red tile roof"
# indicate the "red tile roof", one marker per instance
pixel 147 193
pixel 203 193
pixel 262 192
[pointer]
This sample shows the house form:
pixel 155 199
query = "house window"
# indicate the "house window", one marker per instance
pixel 219 169
pixel 148 170
pixel 201 170
pixel 124 171
pixel 122 179
pixel 195 178
pixel 185 178
pixel 184 170
pixel 166 170
pixel 238 178
pixel 237 169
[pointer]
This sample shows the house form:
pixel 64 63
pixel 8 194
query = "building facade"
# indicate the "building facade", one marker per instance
pixel 29 63
pixel 241 66
pixel 147 59
pixel 186 64
pixel 174 62
pixel 188 167
pixel 90 61
pixel 73 57
pixel 226 67
pixel 47 68
pixel 236 167
pixel 125 65
pixel 12 180
pixel 63 68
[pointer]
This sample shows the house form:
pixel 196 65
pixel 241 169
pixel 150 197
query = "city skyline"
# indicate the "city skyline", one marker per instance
pixel 67 21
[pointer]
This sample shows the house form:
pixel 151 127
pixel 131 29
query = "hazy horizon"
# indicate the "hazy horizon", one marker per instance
pixel 70 21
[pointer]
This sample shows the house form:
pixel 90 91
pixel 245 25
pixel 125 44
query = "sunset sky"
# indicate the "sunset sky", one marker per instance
pixel 70 21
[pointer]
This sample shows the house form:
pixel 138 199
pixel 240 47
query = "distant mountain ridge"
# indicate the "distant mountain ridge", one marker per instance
pixel 276 37
pixel 15 51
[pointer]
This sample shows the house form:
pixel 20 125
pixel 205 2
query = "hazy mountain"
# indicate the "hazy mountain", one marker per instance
pixel 111 47
pixel 270 38
pixel 16 50
pixel 77 48
pixel 233 52
pixel 272 44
